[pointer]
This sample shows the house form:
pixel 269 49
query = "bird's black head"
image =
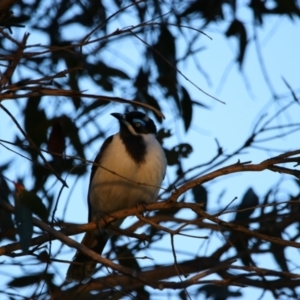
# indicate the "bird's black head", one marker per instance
pixel 136 123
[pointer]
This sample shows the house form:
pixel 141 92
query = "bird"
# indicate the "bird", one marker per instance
pixel 126 159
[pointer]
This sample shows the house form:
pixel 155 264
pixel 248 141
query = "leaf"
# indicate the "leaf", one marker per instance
pixel 6 221
pixel 183 295
pixel 218 292
pixel 105 70
pixel 172 157
pixel 143 96
pixel 44 257
pixel 165 52
pixel 23 216
pixel 102 74
pixel 73 61
pixel 24 226
pixel 142 80
pixel 126 258
pixel 163 134
pixel 202 105
pixel 183 150
pixel 71 131
pixel 250 199
pixel 163 56
pixel 142 293
pixel 104 82
pixel 286 7
pixel 237 29
pixel 56 141
pixel 69 164
pixel 30 280
pixel 258 8
pixel 180 151
pixel 90 107
pixel 186 108
pixel 269 226
pixel 100 69
pixel 36 124
pixel 279 256
pixel 40 175
pixel 241 241
pixel 27 203
pixel 35 204
pixel 210 10
pixel 200 195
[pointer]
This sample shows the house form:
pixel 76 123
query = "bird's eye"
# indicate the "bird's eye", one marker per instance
pixel 138 123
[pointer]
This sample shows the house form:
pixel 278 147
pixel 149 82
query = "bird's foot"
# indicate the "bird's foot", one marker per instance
pixel 101 222
pixel 141 206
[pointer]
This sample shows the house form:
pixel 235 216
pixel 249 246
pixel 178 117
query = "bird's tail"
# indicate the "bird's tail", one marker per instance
pixel 83 266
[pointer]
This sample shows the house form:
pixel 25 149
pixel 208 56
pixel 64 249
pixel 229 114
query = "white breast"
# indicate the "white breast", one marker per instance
pixel 131 182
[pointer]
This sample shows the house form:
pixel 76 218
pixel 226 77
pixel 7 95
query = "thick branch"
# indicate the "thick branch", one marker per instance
pixel 268 164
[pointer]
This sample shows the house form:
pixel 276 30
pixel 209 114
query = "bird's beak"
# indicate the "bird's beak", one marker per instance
pixel 121 118
pixel 118 116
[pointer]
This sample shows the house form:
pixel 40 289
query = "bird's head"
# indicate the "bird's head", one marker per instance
pixel 136 123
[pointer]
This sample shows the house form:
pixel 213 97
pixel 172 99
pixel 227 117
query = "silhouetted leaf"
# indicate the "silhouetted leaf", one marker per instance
pixel 164 58
pixel 71 131
pixel 94 12
pixel 186 108
pixel 27 203
pixel 183 295
pixel 163 134
pixel 73 61
pixel 239 240
pixel 35 204
pixel 86 109
pixel 270 226
pixel 250 199
pixel 202 105
pixel 23 217
pixel 142 293
pixel 200 195
pixel 179 151
pixel 6 222
pixel 126 258
pixel 141 82
pixel 44 257
pixel 110 71
pixel 102 74
pixel 40 175
pixel 56 141
pixel 218 292
pixel 69 165
pixel 286 7
pixel 237 29
pixel 30 280
pixel 165 46
pixel 210 10
pixel 36 123
pixel 146 98
pixel 241 243
pixel 104 82
pixel 258 8
pixel 142 93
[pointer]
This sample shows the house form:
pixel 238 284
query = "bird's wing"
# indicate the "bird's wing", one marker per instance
pixel 94 167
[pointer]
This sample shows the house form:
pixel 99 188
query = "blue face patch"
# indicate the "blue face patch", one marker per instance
pixel 139 121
